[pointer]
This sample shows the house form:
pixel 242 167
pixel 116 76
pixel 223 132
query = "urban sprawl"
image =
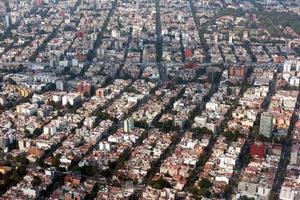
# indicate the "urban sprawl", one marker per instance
pixel 149 99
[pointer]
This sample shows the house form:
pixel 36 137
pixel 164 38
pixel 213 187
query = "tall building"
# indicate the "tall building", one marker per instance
pixel 268 2
pixel 266 124
pixel 60 85
pixel 287 66
pixel 7 20
pixel 84 88
pixel 295 157
pixel 128 125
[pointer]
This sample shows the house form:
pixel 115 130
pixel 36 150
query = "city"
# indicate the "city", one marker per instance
pixel 149 99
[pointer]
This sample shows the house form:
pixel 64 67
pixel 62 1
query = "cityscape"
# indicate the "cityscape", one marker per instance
pixel 149 99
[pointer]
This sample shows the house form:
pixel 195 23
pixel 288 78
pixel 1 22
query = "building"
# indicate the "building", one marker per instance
pixel 24 144
pixel 38 3
pixel 287 66
pixel 7 20
pixel 237 72
pixel 128 125
pixel 35 152
pixel 84 88
pixel 258 150
pixel 71 98
pixel 179 122
pixel 294 160
pixel 266 124
pixel 27 109
pixel 101 92
pixel 60 85
pixel 287 193
pixel 4 142
pixel 5 169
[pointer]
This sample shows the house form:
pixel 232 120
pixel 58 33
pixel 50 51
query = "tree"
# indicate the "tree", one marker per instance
pixel 160 184
pixel 262 138
pixel 228 190
pixel 11 81
pixel 198 132
pixel 93 193
pixel 244 197
pixel 246 158
pixel 135 181
pixel 196 193
pixel 16 176
pixel 203 158
pixel 89 170
pixel 36 181
pixel 166 126
pixel 108 80
pixel 194 190
pixel 27 133
pixel 204 192
pixel 106 173
pixel 141 124
pixel 60 114
pixel 56 160
pixel 37 132
pixel 102 116
pixel 232 135
pixel 205 183
pixel 272 196
pixel 40 162
pixel 22 159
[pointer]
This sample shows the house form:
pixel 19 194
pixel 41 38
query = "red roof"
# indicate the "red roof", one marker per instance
pixel 188 53
pixel 80 34
pixel 258 150
pixel 190 65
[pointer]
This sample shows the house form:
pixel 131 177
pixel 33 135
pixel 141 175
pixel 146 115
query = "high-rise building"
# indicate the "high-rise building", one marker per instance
pixel 7 20
pixel 268 2
pixel 128 125
pixel 60 85
pixel 295 155
pixel 266 124
pixel 84 88
pixel 287 66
